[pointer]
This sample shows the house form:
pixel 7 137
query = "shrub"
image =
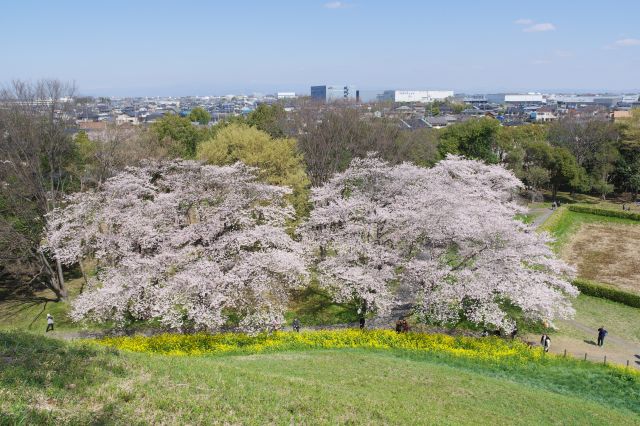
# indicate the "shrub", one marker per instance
pixel 605 212
pixel 594 289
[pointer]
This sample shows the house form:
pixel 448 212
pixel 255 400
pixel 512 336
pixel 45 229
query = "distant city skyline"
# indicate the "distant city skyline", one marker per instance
pixel 162 48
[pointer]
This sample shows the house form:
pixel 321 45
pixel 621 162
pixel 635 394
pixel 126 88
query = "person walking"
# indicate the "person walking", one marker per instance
pixel 399 325
pixel 601 335
pixel 361 313
pixel 49 323
pixel 545 341
pixel 296 325
pixel 514 332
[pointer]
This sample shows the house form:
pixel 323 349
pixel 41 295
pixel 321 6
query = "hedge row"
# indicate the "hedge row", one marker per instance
pixel 605 212
pixel 591 288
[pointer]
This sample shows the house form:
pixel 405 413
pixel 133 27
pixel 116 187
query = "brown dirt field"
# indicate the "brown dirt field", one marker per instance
pixel 606 253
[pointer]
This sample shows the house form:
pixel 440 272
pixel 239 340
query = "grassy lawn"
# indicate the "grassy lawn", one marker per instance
pixel 33 316
pixel 564 223
pixel 47 381
pixel 578 336
pixel 604 249
pixel 619 320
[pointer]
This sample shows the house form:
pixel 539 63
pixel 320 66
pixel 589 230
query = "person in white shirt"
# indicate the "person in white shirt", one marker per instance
pixel 49 322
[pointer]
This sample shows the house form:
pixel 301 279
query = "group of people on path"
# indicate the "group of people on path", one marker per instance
pixel 545 340
pixel 402 326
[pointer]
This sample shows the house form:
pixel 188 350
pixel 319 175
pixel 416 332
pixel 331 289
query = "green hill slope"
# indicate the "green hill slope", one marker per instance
pixel 48 381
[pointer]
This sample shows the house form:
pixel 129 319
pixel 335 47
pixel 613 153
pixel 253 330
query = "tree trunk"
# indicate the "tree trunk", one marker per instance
pixel 54 282
pixel 84 276
pixel 63 288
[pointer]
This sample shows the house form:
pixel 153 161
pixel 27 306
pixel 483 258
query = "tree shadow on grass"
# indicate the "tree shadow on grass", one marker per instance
pixel 40 362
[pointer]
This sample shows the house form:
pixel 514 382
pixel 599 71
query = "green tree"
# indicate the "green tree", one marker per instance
pixel 200 115
pixel 628 164
pixel 278 160
pixel 434 107
pixel 565 171
pixel 178 134
pixel 514 138
pixel 268 118
pixel 476 138
pixel 562 169
pixel 458 107
pixel 634 184
pixel 603 165
pixel 536 177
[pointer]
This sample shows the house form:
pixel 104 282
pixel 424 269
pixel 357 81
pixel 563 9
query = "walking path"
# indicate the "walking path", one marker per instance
pixel 544 215
pixel 616 349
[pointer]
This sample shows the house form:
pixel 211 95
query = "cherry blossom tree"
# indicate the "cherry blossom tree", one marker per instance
pixel 186 244
pixel 445 238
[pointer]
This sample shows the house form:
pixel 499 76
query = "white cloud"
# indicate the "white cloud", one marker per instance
pixel 540 62
pixel 537 28
pixel 523 21
pixel 563 53
pixel 625 42
pixel 335 5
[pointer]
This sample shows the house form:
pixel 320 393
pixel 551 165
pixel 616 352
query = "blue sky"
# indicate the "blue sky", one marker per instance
pixel 215 47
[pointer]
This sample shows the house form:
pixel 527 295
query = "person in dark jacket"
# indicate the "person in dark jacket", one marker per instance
pixel 296 324
pixel 601 335
pixel 514 332
pixel 545 341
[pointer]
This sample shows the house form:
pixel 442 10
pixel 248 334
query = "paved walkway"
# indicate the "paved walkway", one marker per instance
pixel 544 215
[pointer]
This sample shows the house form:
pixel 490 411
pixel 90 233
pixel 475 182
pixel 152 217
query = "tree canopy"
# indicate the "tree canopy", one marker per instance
pixel 278 160
pixel 445 239
pixel 475 138
pixel 192 246
pixel 200 115
pixel 178 134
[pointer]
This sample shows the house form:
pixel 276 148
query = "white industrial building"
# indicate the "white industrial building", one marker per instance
pixel 423 96
pixel 286 95
pixel 524 99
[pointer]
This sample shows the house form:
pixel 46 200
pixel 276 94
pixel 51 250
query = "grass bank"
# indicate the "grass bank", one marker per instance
pixel 46 381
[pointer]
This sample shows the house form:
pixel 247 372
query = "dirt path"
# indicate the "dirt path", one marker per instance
pixel 616 349
pixel 545 213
